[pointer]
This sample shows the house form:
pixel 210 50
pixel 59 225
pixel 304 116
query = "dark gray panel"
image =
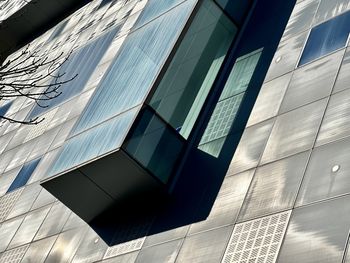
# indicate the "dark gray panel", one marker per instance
pixel 205 247
pixel 343 79
pixel 330 8
pixel 320 181
pixel 227 203
pixel 251 146
pixel 38 251
pixel 269 99
pixel 294 131
pixel 312 82
pixel 274 187
pixel 317 233
pixel 336 122
pixel 301 18
pixel 164 253
pixel 286 56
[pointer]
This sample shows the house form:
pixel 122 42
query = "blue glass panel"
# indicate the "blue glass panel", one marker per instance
pixel 81 64
pixel 326 38
pixel 137 64
pixel 24 175
pixel 4 108
pixel 94 142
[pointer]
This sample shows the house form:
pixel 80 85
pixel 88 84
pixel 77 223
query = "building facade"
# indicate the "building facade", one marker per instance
pixel 189 131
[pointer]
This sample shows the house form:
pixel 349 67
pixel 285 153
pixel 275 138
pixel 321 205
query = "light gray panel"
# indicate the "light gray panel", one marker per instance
pixel 227 204
pixel 320 181
pixel 25 200
pixel 251 146
pixel 336 122
pixel 28 228
pixel 14 255
pixel 274 187
pixel 301 18
pixel 44 198
pixel 91 249
pixel 294 131
pixel 38 251
pixel 286 56
pixel 73 221
pixel 269 99
pixel 8 230
pixel 343 79
pixel 166 236
pixel 164 253
pixel 205 247
pixel 317 233
pixel 65 246
pixel 312 82
pixel 330 8
pixel 6 180
pixel 54 221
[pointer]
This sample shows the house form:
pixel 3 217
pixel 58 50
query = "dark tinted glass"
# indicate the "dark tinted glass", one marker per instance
pixel 326 38
pixel 23 175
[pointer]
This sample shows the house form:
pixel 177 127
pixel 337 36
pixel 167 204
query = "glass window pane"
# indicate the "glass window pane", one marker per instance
pixel 326 38
pixel 184 87
pixel 23 175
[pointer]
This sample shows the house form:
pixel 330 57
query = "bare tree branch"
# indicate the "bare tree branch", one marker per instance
pixel 33 75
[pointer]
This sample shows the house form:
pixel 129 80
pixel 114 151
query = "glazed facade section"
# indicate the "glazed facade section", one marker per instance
pixel 287 182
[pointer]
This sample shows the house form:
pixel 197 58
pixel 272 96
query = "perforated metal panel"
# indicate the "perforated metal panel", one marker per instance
pixel 258 240
pixel 124 248
pixel 39 129
pixel 7 202
pixel 14 255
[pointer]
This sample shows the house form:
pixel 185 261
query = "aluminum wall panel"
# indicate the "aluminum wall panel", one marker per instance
pixel 343 79
pixel 8 230
pixel 330 8
pixel 269 100
pixel 286 56
pixel 166 236
pixel 294 131
pixel 320 181
pixel 251 146
pixel 312 82
pixel 38 251
pixel 317 233
pixel 227 203
pixel 205 247
pixel 274 187
pixel 166 252
pixel 336 122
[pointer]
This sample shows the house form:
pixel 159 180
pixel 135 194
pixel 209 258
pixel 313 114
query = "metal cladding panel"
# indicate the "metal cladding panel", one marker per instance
pixel 166 252
pixel 8 230
pixel 286 56
pixel 38 251
pixel 274 187
pixel 269 100
pixel 343 78
pixel 312 82
pixel 327 173
pixel 330 8
pixel 336 122
pixel 205 247
pixel 317 233
pixel 251 146
pixel 294 131
pixel 301 18
pixel 227 204
pixel 166 236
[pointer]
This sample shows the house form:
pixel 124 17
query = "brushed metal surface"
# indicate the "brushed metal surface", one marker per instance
pixel 274 187
pixel 312 82
pixel 163 253
pixel 343 79
pixel 294 131
pixel 330 8
pixel 317 233
pixel 38 251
